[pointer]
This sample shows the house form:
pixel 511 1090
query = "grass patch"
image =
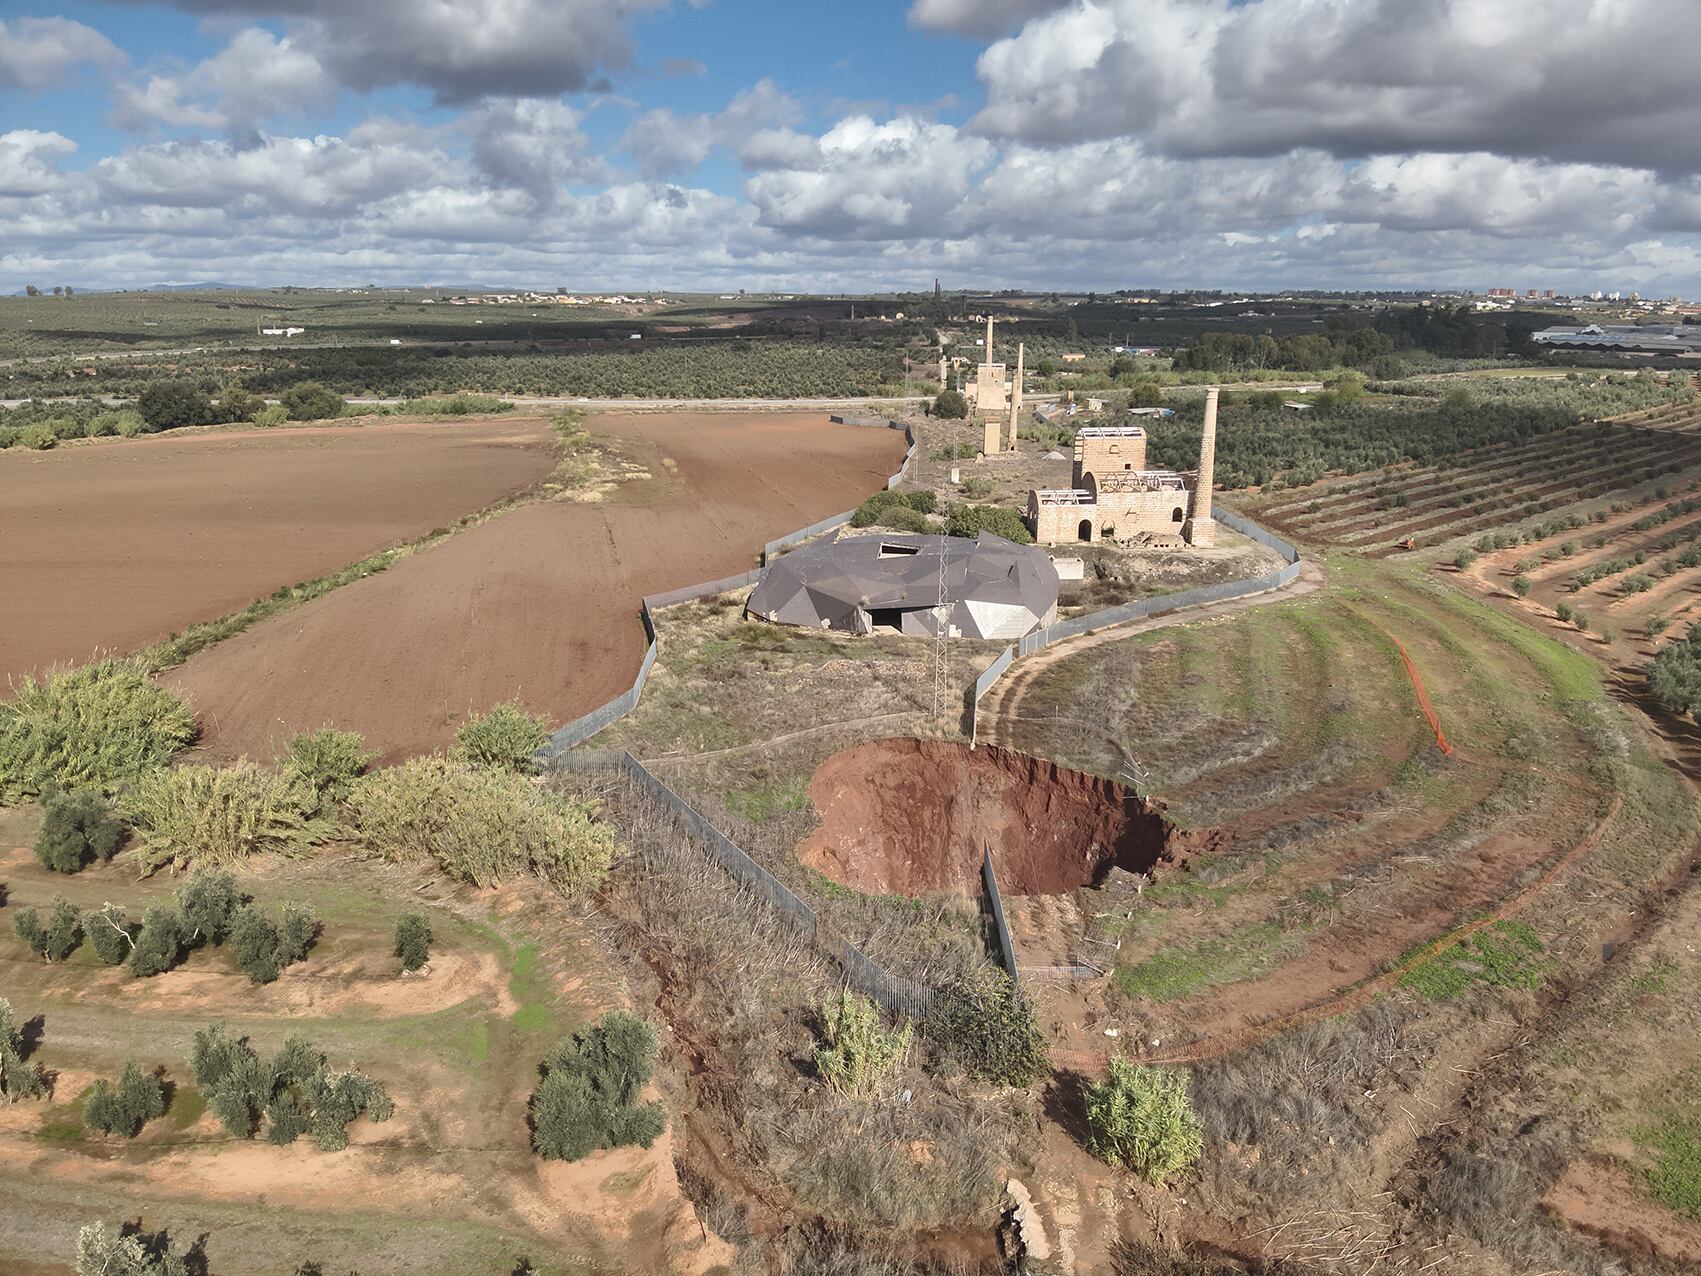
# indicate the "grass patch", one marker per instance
pixel 1506 954
pixel 187 1106
pixel 1179 972
pixel 759 805
pixel 63 1122
pixel 1673 1142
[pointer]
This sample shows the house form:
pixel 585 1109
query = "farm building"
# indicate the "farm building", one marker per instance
pixel 860 584
pixel 1678 339
pixel 1114 496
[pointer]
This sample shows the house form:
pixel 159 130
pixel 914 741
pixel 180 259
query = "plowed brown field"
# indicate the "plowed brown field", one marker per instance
pixel 107 547
pixel 539 603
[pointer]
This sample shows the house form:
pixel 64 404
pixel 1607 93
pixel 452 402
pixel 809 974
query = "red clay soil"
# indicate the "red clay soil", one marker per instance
pixel 540 603
pixel 113 545
pixel 908 816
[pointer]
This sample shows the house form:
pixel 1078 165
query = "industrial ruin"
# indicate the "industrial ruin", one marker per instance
pixel 1113 496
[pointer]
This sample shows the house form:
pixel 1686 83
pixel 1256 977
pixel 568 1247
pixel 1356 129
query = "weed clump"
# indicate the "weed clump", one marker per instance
pixel 857 1051
pixel 588 1098
pixel 97 727
pixel 328 762
pixel 77 828
pixel 981 1026
pixel 505 739
pixel 222 815
pixel 1141 1118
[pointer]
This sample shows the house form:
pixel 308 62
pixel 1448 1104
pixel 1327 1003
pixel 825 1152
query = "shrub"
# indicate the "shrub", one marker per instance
pixel 236 403
pixel 504 739
pixel 18 1078
pixel 481 826
pixel 271 414
pixel 294 1091
pixel 311 401
pixel 160 942
pixel 109 934
pixel 1564 611
pixel 328 762
pixel 951 405
pixel 39 436
pixel 1521 586
pixel 857 1050
pixel 1675 676
pixel 125 1108
pixel 100 1253
pixel 222 815
pixel 97 727
pixel 1142 1118
pixel 976 487
pixel 127 423
pixel 208 902
pixel 1000 520
pixel 903 510
pixel 59 938
pixel 169 405
pixel 981 1025
pixel 413 940
pixel 77 827
pixel 588 1098
pixel 1654 626
pixel 1464 558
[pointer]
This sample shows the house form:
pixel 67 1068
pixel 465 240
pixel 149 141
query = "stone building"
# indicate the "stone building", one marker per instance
pixel 1113 496
pixel 995 401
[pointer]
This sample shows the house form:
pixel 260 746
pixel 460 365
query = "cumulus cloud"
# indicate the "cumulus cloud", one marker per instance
pixel 978 17
pixel 664 143
pixel 533 144
pixel 256 77
pixel 461 50
pixel 29 162
pixel 1608 83
pixel 39 53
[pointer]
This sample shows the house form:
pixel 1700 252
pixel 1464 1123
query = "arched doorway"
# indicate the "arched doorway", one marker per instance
pixel 1177 516
pixel 1085 532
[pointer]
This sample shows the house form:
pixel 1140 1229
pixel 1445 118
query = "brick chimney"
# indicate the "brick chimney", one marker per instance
pixel 1200 530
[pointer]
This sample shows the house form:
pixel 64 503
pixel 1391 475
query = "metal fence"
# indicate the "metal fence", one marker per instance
pixel 583 728
pixel 898 995
pixel 1145 608
pixel 1000 928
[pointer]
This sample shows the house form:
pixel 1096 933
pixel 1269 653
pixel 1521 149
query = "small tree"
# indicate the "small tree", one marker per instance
pixel 1521 586
pixel 169 405
pixel 981 1025
pixel 294 1091
pixel 297 929
pixel 413 940
pixel 1464 558
pixel 505 739
pixel 18 1078
pixel 209 901
pixel 161 942
pixel 125 1108
pixel 59 938
pixel 950 405
pixel 857 1051
pixel 102 1253
pixel 262 949
pixel 109 934
pixel 588 1098
pixel 76 828
pixel 1142 1118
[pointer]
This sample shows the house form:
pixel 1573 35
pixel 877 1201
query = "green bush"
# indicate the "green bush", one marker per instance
pixel 56 940
pixel 588 1098
pixel 263 949
pixel 216 816
pixel 1521 586
pixel 1675 675
pixel 126 1107
pixel 328 762
pixel 506 738
pixel 18 1079
pixel 109 934
pixel 76 828
pixel 481 826
pixel 237 404
pixel 102 1253
pixel 294 1092
pixel 950 405
pixel 160 943
pixel 971 520
pixel 169 405
pixel 1142 1118
pixel 271 414
pixel 902 510
pixel 976 487
pixel 981 1025
pixel 413 940
pixel 856 1050
pixel 311 401
pixel 99 726
pixel 127 423
pixel 39 437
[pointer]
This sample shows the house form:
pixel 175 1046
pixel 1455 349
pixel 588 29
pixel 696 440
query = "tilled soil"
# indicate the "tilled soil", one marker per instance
pixel 112 545
pixel 540 603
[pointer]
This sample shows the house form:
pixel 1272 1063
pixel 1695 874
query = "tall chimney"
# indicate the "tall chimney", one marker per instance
pixel 988 358
pixel 1016 394
pixel 1201 528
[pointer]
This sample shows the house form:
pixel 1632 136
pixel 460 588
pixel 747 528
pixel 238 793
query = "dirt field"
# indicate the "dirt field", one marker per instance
pixel 540 603
pixel 110 546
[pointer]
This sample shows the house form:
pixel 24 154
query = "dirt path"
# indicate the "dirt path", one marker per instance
pixel 1002 705
pixel 540 603
pixel 110 548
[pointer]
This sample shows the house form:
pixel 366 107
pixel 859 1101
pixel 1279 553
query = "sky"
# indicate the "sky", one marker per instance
pixel 864 145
